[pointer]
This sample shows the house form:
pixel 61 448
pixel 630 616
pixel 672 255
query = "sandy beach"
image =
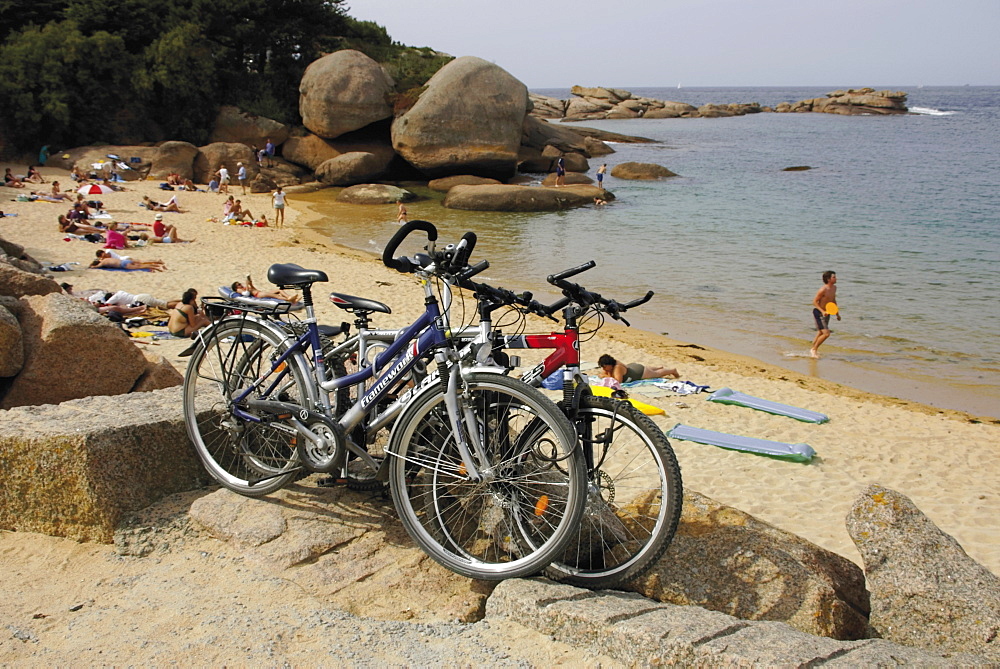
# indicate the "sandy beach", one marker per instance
pixel 941 459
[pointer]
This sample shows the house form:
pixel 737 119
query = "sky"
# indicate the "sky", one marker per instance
pixel 652 43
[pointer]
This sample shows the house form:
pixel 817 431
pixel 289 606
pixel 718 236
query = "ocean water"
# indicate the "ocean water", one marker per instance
pixel 903 208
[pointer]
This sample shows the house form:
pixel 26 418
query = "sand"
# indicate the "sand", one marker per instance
pixel 941 459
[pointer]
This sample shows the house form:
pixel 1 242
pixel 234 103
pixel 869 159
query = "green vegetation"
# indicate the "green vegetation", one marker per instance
pixel 75 72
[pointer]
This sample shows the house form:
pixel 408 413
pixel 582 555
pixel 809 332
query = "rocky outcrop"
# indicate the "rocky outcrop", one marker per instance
pixel 218 154
pixel 374 194
pixel 174 158
pixel 925 590
pixel 467 121
pixel 852 102
pixel 16 281
pixel 344 91
pixel 312 151
pixel 641 171
pixel 352 168
pixel 570 179
pixel 233 125
pixel 311 536
pixel 70 351
pixel 640 633
pixel 613 103
pixel 444 184
pixel 159 374
pixel 75 469
pixel 11 344
pixel 793 581
pixel 522 198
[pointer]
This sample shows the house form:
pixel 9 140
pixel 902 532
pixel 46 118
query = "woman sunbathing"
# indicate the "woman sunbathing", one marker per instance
pixel 169 205
pixel 68 226
pixel 249 290
pixel 107 261
pixel 185 319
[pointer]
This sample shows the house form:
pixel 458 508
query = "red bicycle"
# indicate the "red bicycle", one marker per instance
pixel 634 480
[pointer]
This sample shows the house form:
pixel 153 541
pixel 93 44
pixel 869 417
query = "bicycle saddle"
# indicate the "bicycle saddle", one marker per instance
pixel 354 304
pixel 289 274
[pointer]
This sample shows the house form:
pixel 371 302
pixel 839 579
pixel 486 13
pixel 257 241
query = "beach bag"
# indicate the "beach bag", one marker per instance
pixel 166 186
pixel 553 381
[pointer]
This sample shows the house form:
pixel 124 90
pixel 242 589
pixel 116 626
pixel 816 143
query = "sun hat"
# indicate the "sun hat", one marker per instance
pixel 158 217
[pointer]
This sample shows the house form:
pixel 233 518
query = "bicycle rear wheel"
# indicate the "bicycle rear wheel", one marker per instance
pixel 633 502
pixel 252 458
pixel 526 507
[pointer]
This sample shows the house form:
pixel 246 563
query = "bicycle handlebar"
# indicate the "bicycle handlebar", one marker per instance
pixel 565 274
pixel 404 264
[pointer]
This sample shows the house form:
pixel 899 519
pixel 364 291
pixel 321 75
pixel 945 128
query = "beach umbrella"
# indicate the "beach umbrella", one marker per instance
pixel 93 189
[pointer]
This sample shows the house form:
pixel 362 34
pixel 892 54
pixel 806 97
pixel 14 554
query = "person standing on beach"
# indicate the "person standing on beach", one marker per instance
pixel 223 174
pixel 241 176
pixel 269 150
pixel 278 197
pixel 601 171
pixel 826 295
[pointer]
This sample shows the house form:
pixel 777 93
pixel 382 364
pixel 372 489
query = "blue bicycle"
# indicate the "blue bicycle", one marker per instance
pixel 484 471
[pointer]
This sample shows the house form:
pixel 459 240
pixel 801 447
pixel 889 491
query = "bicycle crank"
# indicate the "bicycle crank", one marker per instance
pixel 321 446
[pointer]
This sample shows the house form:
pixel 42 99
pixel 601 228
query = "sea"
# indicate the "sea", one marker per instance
pixel 905 209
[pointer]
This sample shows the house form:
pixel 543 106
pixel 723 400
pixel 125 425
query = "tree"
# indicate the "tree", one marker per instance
pixel 59 86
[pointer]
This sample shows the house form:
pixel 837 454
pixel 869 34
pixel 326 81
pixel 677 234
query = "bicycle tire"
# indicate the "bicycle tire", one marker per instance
pixel 250 458
pixel 510 525
pixel 634 498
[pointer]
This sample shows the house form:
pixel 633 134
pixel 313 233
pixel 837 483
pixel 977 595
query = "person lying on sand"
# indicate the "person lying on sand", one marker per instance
pixel 249 290
pixel 169 205
pixel 106 260
pixel 69 226
pixel 632 371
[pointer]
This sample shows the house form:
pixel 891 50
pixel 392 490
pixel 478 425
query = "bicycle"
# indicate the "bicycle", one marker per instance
pixel 634 481
pixel 483 469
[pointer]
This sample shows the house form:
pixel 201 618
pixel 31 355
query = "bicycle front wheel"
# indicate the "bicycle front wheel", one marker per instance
pixel 528 501
pixel 250 457
pixel 634 497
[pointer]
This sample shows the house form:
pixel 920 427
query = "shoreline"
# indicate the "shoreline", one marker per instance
pixel 921 451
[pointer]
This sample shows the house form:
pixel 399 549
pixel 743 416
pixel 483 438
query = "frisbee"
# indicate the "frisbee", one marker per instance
pixel 832 308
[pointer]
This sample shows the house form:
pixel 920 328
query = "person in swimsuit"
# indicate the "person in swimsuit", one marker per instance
pixel 249 290
pixel 401 215
pixel 107 261
pixel 185 319
pixel 611 368
pixel 69 226
pixel 601 171
pixel 826 295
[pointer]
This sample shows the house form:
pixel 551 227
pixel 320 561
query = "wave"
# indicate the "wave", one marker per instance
pixel 928 111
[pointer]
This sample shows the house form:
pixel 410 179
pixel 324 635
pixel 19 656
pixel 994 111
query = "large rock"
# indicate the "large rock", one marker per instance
pixel 581 108
pixel 726 560
pixel 522 198
pixel 374 194
pixel 75 469
pixel 611 95
pixel 445 184
pixel 70 351
pixel 174 158
pixel 233 125
pixel 11 344
pixel 668 109
pixel 539 134
pixel 159 374
pixel 309 150
pixel 15 281
pixel 137 158
pixel 312 151
pixel 570 179
pixel 543 106
pixel 344 91
pixel 467 121
pixel 925 590
pixel 349 169
pixel 347 548
pixel 213 156
pixel 642 171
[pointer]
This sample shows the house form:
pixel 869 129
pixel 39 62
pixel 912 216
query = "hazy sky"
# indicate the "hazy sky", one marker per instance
pixel 633 43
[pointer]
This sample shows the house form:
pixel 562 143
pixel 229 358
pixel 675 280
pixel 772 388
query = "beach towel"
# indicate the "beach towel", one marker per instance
pixel 772 449
pixel 120 269
pixel 727 396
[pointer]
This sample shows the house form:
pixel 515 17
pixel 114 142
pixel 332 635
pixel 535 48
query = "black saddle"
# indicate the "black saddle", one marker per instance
pixel 292 275
pixel 355 305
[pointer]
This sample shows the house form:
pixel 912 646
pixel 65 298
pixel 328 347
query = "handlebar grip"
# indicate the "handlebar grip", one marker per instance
pixel 462 278
pixel 565 274
pixel 462 257
pixel 634 303
pixel 403 264
pixel 557 305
